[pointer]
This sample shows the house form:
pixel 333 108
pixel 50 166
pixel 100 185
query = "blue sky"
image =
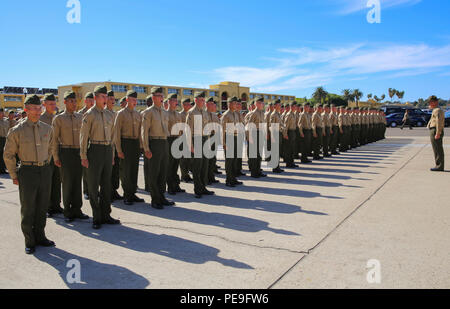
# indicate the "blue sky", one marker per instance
pixel 285 47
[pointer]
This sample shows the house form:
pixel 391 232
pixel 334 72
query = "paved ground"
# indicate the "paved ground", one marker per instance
pixel 316 226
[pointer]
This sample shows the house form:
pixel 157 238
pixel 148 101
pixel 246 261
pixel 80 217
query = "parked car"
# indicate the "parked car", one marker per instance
pixel 396 119
pixel 393 109
pixel 447 119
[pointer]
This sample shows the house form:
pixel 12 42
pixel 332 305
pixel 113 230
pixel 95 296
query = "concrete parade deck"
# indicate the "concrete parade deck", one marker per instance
pixel 316 226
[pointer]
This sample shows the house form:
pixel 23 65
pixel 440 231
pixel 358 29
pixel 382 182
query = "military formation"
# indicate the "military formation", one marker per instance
pixel 92 151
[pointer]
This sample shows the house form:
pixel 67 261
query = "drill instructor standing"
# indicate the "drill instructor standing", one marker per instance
pixel 436 126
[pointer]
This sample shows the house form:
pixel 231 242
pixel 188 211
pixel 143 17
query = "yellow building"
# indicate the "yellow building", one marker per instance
pixel 12 98
pixel 221 92
pixel 370 103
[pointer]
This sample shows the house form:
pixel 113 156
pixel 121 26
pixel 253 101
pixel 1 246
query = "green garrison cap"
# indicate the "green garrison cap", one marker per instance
pixel 49 97
pixel 318 105
pixel 32 99
pixel 100 89
pixel 332 105
pixel 277 102
pixel 110 93
pixel 186 100
pixel 172 96
pixel 149 98
pixel 326 105
pixel 156 90
pixel 348 108
pixel 293 104
pixel 1 110
pixel 433 98
pixel 89 95
pixel 252 102
pixel 122 100
pixel 131 93
pixel 232 99
pixel 166 101
pixel 259 98
pixel 270 104
pixel 210 99
pixel 69 95
pixel 306 104
pixel 199 94
pixel 192 103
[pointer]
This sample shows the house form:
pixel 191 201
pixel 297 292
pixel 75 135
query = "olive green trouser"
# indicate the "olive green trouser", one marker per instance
pixel 185 164
pixel 199 166
pixel 230 159
pixel 129 167
pixel 34 192
pixel 172 167
pixel 71 173
pixel 212 162
pixel 157 169
pixel 353 136
pixel 297 142
pixel 99 176
pixel 438 148
pixel 290 147
pixel 254 156
pixel 334 139
pixel 317 142
pixel 115 173
pixel 85 182
pixel 269 144
pixel 326 140
pixel 146 184
pixel 306 144
pixel 55 191
pixel 2 146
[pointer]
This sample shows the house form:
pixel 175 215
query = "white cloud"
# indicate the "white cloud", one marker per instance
pixel 302 68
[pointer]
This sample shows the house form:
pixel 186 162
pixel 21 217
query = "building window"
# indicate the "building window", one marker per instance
pixel 286 98
pixel 140 89
pixel 187 92
pixel 13 99
pixel 213 93
pixel 119 88
pixel 172 90
pixel 266 97
pixel 141 102
pixel 252 96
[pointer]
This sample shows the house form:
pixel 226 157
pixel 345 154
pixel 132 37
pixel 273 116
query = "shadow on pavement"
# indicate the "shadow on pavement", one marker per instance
pixel 94 275
pixel 226 221
pixel 169 246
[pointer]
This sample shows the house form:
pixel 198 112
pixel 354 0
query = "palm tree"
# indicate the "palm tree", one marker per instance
pixel 346 95
pixel 369 96
pixel 320 94
pixel 400 94
pixel 357 95
pixel 392 93
pixel 383 96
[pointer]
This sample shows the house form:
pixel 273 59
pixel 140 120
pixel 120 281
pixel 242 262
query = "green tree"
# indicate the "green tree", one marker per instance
pixel 320 94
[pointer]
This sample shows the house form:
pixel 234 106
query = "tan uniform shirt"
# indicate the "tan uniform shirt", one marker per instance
pixel 334 119
pixel 83 110
pixel 437 120
pixel 228 117
pixel 275 117
pixel 289 121
pixel 197 128
pixel 4 127
pixel 127 125
pixel 304 122
pixel 326 119
pixel 12 123
pixel 97 127
pixel 155 122
pixel 32 142
pixel 66 132
pixel 316 122
pixel 174 118
pixel 47 118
